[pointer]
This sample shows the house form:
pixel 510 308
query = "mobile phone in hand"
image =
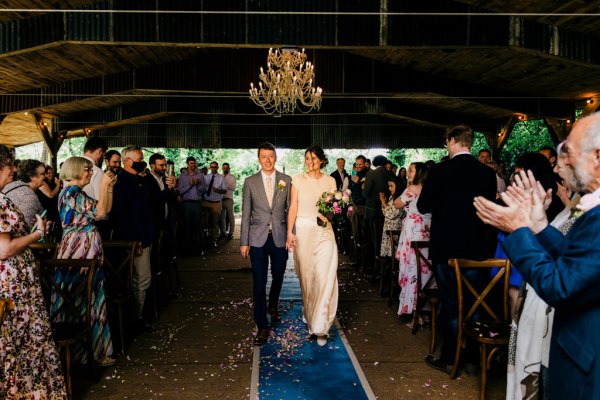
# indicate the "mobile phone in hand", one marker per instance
pixel 43 214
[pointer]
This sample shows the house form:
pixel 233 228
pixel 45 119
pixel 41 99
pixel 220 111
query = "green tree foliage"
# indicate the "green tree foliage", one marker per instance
pixel 526 137
pixel 479 143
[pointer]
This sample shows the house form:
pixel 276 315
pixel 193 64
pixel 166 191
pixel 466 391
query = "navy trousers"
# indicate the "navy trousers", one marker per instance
pixel 259 258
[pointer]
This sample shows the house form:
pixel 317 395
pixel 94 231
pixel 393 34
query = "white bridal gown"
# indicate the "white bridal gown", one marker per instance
pixel 315 256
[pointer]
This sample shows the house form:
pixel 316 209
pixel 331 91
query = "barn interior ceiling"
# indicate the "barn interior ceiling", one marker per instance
pixel 176 73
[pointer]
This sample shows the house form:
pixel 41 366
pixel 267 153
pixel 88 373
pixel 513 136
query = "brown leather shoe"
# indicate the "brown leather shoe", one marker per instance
pixel 274 312
pixel 261 336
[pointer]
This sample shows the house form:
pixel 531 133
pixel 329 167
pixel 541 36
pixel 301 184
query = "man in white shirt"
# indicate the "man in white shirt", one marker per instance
pixel 227 203
pixel 94 150
pixel 213 197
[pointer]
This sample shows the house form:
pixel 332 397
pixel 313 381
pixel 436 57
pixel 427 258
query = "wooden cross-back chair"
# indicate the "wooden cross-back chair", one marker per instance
pixel 118 263
pixel 70 305
pixel 389 269
pixel 426 291
pixel 6 306
pixel 491 332
pixel 43 251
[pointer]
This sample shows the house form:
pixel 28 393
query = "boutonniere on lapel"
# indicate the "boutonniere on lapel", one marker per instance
pixel 281 185
pixel 586 203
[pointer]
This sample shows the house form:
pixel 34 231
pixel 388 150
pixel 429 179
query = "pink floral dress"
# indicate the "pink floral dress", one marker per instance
pixel 415 227
pixel 29 362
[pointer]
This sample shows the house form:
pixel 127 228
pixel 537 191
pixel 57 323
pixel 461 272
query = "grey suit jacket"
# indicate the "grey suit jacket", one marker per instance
pixel 257 215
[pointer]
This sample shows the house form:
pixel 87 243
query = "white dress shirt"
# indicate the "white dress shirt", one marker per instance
pixel 230 184
pixel 92 189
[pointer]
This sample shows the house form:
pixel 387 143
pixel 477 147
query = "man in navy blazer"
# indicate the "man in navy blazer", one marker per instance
pixel 563 270
pixel 456 232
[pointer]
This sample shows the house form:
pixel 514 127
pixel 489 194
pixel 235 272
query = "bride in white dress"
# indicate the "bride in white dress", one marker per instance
pixel 315 250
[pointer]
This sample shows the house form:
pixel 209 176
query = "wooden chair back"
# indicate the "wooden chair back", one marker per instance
pixel 482 298
pixel 66 295
pixel 118 264
pixel 426 291
pixel 44 251
pixel 6 306
pixel 492 330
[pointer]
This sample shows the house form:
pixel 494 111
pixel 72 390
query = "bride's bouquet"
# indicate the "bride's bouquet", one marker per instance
pixel 333 204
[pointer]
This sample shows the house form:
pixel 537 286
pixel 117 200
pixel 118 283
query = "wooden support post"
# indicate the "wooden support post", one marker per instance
pixel 52 141
pixel 504 134
pixel 558 129
pixel 492 141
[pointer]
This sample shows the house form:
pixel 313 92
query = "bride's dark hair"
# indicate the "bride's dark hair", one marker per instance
pixel 318 151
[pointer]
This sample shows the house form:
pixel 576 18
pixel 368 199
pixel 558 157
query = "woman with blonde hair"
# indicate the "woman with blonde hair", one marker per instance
pixel 81 240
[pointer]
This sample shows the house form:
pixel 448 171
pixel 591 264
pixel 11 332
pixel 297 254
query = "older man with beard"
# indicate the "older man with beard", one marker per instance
pixel 563 270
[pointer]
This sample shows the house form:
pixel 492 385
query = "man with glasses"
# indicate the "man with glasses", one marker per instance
pixel 564 270
pixel 212 200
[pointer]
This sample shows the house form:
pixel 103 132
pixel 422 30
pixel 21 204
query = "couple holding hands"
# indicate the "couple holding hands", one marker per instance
pixel 279 215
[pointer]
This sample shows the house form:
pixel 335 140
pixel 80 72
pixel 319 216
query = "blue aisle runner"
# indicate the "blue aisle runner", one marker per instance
pixel 292 366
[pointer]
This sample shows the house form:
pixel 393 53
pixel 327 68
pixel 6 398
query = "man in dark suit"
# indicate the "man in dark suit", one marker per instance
pixel 263 235
pixel 563 270
pixel 162 195
pixel 340 175
pixel 161 190
pixel 376 182
pixel 456 232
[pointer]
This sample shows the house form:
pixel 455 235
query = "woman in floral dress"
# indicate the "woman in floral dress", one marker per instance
pixel 415 227
pixel 29 362
pixel 81 240
pixel 391 214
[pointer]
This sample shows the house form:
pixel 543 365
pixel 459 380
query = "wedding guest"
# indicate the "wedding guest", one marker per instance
pixel 456 232
pixel 191 188
pixel 81 240
pixel 531 330
pixel 227 203
pixel 484 156
pixel 131 218
pixel 564 270
pixel 30 364
pixel 391 214
pixel 30 175
pixel 113 161
pixel 213 197
pixel 48 196
pixel 415 226
pixel 94 150
pixel 315 250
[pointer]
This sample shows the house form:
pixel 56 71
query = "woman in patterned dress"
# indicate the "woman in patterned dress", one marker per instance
pixel 392 215
pixel 29 362
pixel 414 227
pixel 81 240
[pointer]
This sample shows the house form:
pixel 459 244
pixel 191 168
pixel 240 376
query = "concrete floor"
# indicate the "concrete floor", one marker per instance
pixel 202 348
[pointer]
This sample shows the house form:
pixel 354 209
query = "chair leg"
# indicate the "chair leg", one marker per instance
pixel 68 381
pixel 484 366
pixel 121 328
pixel 459 344
pixel 433 327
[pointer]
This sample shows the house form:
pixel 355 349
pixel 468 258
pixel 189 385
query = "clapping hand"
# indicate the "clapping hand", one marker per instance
pixel 524 201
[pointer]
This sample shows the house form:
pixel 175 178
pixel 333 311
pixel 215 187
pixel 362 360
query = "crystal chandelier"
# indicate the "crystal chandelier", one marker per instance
pixel 287 85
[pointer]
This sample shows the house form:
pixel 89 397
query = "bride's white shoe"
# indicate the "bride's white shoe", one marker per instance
pixel 321 340
pixel 304 319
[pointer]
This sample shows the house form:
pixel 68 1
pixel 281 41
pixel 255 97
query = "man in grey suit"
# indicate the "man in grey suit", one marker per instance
pixel 263 235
